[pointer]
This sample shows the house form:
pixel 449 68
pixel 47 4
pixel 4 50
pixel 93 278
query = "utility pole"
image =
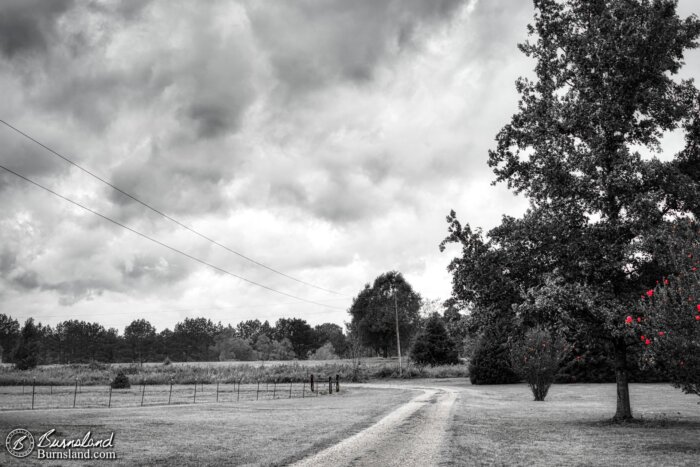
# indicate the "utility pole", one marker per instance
pixel 398 339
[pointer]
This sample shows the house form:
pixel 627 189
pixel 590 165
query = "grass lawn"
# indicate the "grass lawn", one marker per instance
pixel 502 425
pixel 266 432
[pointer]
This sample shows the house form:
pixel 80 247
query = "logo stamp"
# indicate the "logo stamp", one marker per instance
pixel 19 443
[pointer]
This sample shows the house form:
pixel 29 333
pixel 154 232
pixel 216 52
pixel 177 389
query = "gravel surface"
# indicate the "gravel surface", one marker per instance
pixel 413 434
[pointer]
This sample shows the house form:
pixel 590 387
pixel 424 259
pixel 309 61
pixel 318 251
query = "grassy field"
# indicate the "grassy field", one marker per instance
pixel 266 432
pixel 489 425
pixel 65 397
pixel 502 425
pixel 223 372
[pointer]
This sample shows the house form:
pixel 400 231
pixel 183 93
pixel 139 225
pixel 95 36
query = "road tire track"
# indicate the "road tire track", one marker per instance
pixel 412 434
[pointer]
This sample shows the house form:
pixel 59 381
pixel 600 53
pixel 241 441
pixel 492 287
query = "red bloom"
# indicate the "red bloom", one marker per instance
pixel 647 342
pixel 665 281
pixel 650 292
pixel 697 317
pixel 628 320
pixel 694 269
pixel 639 319
pixel 662 333
pixel 698 308
pixel 642 338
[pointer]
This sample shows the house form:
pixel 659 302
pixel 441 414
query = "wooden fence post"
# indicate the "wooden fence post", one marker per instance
pixel 257 391
pixel 337 383
pixel 109 403
pixel 75 393
pixel 290 390
pixel 238 396
pixel 312 383
pixel 143 391
pixel 33 389
pixel 194 399
pixel 170 395
pixel 303 389
pixel 330 385
pixel 217 391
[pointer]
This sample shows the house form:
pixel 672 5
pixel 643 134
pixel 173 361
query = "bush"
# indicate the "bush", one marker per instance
pixel 490 363
pixel 325 352
pixel 121 381
pixel 433 345
pixel 537 358
pixel 167 361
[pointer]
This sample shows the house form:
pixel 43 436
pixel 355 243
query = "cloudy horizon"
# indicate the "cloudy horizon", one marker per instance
pixel 325 139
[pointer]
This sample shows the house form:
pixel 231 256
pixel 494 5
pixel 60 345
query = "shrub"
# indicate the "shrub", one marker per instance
pixel 167 361
pixel 325 352
pixel 667 326
pixel 490 363
pixel 121 381
pixel 433 345
pixel 537 358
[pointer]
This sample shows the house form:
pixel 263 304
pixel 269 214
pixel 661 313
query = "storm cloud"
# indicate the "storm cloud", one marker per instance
pixel 327 139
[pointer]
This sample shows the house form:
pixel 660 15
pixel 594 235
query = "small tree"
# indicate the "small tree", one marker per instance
pixel 490 363
pixel 121 381
pixel 433 345
pixel 537 358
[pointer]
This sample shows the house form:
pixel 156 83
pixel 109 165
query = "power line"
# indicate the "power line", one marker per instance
pixel 143 203
pixel 194 258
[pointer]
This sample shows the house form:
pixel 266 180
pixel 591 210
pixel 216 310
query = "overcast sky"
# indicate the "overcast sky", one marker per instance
pixel 325 138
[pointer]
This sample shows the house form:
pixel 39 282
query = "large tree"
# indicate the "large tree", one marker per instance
pixel 603 89
pixel 375 308
pixel 140 336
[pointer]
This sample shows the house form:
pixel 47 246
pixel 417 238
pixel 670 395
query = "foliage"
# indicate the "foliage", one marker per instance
pixel 121 381
pixel 26 354
pixel 374 312
pixel 433 345
pixel 604 86
pixel 537 358
pixel 299 333
pixel 490 363
pixel 9 333
pixel 667 325
pixel 139 336
pixel 325 352
pixel 330 332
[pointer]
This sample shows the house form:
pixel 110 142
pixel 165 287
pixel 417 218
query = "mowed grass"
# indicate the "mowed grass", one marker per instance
pixel 502 425
pixel 264 432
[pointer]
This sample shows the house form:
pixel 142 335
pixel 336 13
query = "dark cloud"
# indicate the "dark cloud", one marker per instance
pixel 28 26
pixel 311 43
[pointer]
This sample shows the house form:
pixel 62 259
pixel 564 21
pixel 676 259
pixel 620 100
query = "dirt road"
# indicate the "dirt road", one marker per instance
pixel 410 435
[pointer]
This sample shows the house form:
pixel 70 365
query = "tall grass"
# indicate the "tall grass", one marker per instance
pixel 222 372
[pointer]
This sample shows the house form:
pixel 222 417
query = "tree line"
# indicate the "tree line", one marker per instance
pixel 193 339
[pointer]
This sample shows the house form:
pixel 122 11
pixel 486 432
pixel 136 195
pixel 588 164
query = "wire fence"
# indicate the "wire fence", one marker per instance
pixel 32 396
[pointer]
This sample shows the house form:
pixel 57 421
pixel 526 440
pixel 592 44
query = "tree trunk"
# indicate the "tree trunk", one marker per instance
pixel 624 410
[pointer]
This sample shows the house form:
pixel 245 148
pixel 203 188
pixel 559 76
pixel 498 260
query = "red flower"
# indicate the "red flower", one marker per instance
pixel 642 338
pixel 698 307
pixel 650 292
pixel 639 319
pixel 694 269
pixel 665 281
pixel 628 320
pixel 647 342
pixel 662 333
pixel 697 317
